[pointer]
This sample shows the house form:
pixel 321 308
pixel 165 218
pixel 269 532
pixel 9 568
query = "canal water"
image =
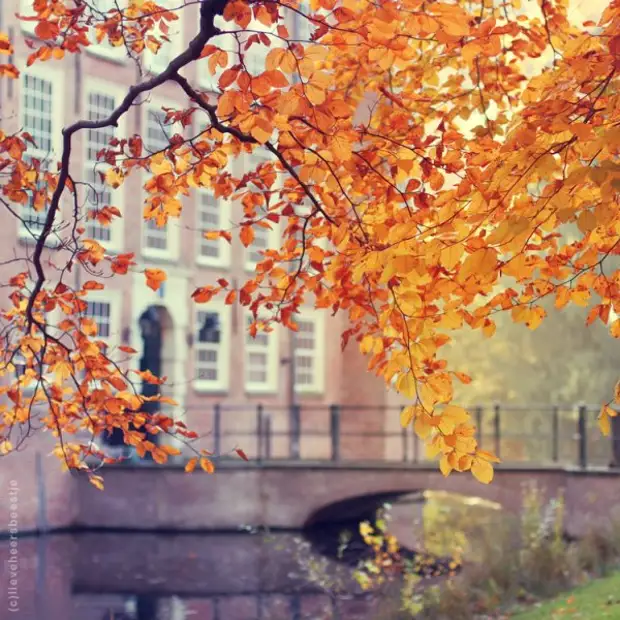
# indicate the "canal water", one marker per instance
pixel 137 576
pixel 239 575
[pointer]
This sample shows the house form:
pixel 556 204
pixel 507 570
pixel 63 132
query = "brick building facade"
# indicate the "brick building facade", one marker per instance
pixel 228 368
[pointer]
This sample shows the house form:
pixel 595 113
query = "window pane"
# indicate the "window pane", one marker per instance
pixel 305 353
pixel 157 133
pixel 258 245
pixel 100 311
pixel 208 343
pixel 208 219
pixel 37 121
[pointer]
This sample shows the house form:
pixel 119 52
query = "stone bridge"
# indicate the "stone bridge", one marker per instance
pixel 293 494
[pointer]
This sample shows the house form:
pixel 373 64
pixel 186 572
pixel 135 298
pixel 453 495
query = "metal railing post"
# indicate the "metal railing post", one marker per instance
pixel 479 426
pixel 497 430
pixel 259 432
pixel 582 435
pixel 555 437
pixel 334 422
pixel 268 437
pixel 217 429
pixel 295 430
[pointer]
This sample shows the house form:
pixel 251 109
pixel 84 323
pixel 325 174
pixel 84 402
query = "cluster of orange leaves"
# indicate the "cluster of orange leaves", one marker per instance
pixel 422 180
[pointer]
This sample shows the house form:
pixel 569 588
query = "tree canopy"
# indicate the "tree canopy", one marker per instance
pixel 430 164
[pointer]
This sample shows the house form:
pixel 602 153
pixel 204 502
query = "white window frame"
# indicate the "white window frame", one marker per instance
pixel 172 251
pixel 318 319
pixel 56 78
pixel 224 351
pixel 104 49
pixel 25 9
pixel 176 44
pixel 273 234
pixel 224 211
pixel 271 353
pixel 116 227
pixel 303 26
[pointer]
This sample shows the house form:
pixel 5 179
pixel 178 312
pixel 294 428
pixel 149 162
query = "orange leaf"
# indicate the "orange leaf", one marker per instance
pixel 203 294
pixel 91 285
pixel 155 278
pixel 46 30
pixel 207 465
pixel 246 235
pixel 191 465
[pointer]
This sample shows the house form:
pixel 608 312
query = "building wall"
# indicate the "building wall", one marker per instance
pixel 341 377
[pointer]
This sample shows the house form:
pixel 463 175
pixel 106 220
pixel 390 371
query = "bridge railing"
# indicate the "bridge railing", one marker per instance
pixel 537 435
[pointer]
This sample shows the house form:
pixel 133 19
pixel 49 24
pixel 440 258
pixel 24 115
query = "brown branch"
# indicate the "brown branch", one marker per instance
pixel 211 110
pixel 208 11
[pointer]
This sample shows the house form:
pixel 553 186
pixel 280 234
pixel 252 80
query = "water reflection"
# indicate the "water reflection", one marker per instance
pixel 135 576
pixel 227 576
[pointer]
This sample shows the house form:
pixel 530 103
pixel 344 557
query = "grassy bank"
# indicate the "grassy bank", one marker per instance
pixel 599 598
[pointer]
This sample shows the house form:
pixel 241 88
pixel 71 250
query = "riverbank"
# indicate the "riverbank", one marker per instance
pixel 599 598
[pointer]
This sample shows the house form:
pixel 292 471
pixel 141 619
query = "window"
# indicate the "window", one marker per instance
pixel 254 59
pixel 101 10
pixel 259 244
pixel 210 212
pixel 212 350
pixel 104 307
pixel 100 104
pixel 100 312
pixel 309 347
pixel 305 27
pixel 38 114
pixel 173 31
pixel 157 138
pixel 261 359
pixel 264 238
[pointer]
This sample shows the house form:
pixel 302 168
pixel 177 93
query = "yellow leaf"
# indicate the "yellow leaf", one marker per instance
pixel 96 481
pixel 207 465
pixel 341 148
pixel 580 297
pixel 617 392
pixel 5 447
pixel 261 131
pixel 480 262
pixel 487 456
pixel 451 255
pixel 160 165
pixel 482 470
pixel 423 426
pixel 451 417
pixel 315 95
pixel 615 328
pixel 114 177
pixel 406 416
pixel 62 370
pixel 406 385
pixel 535 317
pixel 444 465
pixel 604 421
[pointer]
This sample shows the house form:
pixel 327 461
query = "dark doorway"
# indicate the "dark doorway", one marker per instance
pixel 151 331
